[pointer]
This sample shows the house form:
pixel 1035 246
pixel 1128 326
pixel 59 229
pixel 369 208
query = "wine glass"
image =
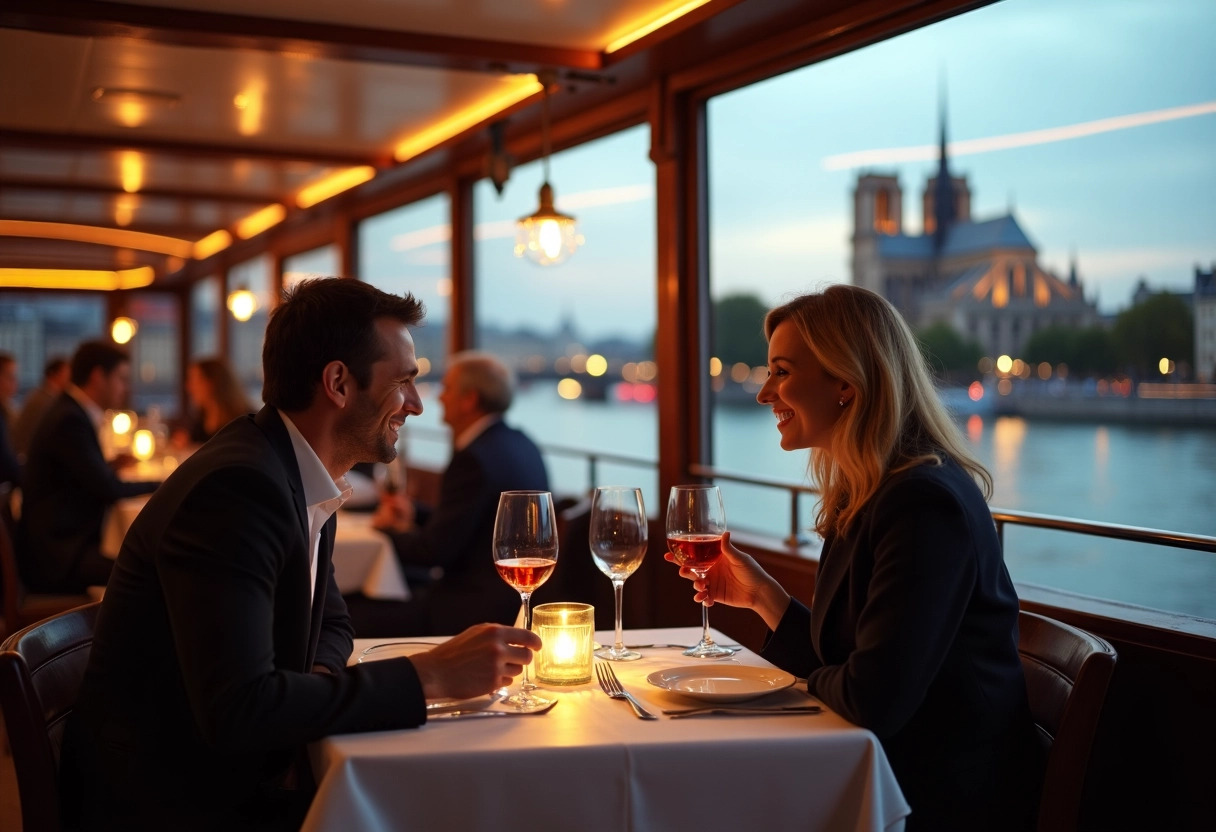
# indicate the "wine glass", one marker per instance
pixel 696 522
pixel 618 544
pixel 525 554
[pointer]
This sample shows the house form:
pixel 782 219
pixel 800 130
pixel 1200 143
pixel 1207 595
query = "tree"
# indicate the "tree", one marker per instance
pixel 738 333
pixel 1085 351
pixel 1159 327
pixel 948 353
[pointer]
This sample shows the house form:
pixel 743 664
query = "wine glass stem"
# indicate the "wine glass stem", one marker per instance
pixel 618 590
pixel 525 684
pixel 705 639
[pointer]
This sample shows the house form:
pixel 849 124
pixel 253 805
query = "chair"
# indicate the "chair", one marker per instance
pixel 1067 674
pixel 20 607
pixel 41 669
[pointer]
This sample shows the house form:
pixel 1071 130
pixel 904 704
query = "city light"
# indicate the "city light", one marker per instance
pixel 569 389
pixel 1004 364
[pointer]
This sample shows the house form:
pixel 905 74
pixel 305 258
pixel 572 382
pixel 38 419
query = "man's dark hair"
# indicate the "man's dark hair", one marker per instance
pixel 53 366
pixel 93 354
pixel 324 320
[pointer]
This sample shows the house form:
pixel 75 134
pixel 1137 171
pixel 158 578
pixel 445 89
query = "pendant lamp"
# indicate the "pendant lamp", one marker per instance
pixel 546 236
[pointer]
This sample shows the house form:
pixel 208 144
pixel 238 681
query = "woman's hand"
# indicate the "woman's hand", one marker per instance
pixel 738 581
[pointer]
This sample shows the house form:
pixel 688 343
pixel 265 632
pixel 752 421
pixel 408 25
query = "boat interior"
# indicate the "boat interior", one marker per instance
pixel 149 145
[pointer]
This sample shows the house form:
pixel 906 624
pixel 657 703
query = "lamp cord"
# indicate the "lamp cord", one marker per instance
pixel 544 131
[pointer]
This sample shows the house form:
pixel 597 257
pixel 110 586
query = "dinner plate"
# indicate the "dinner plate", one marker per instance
pixel 721 683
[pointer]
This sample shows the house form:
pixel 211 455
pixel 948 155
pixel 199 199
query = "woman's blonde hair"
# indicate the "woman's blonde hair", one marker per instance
pixel 894 420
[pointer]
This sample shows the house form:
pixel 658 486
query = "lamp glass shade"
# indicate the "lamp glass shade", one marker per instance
pixel 547 236
pixel 242 304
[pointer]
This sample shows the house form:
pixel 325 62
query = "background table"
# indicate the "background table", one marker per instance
pixel 364 558
pixel 591 765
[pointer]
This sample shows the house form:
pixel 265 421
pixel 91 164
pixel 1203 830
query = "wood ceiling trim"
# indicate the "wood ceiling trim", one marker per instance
pixel 67 186
pixel 37 140
pixel 180 27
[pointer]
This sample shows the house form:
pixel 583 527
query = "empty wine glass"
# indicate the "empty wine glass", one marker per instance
pixel 618 544
pixel 696 522
pixel 525 554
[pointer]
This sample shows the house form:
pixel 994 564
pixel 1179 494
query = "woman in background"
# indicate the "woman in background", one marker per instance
pixel 216 397
pixel 912 632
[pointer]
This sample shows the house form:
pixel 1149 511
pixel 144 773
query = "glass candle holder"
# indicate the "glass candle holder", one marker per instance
pixel 567 633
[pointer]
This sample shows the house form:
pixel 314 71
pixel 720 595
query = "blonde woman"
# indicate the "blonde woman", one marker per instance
pixel 913 629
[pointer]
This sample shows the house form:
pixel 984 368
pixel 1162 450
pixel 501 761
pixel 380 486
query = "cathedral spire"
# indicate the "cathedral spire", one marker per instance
pixel 943 193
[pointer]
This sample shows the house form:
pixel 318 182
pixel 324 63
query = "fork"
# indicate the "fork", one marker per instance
pixel 612 687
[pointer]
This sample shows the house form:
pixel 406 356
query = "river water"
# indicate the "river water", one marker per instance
pixel 1156 477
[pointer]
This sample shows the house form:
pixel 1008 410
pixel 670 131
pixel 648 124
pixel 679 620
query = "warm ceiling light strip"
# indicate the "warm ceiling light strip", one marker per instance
pixel 259 221
pixel 333 185
pixel 516 89
pixel 658 23
pixel 213 243
pixel 99 280
pixel 116 237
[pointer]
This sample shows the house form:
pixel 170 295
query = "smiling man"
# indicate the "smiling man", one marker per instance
pixel 222 642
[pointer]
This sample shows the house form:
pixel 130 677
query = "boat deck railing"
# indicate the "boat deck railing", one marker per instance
pixel 796 492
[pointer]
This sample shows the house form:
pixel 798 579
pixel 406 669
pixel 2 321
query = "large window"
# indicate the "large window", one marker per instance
pixel 37 328
pixel 579 334
pixel 245 337
pixel 407 250
pixel 205 306
pixel 319 262
pixel 1080 162
pixel 154 353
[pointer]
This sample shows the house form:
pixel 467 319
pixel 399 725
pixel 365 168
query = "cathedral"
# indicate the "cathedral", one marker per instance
pixel 981 277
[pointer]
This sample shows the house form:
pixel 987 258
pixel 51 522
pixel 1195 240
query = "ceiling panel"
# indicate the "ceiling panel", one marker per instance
pixel 581 24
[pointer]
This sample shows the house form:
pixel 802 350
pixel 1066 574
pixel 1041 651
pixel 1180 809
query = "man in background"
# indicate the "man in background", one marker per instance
pixel 452 544
pixel 10 468
pixel 55 378
pixel 222 644
pixel 68 483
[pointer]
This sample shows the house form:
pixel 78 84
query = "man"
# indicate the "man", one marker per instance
pixel 55 377
pixel 454 542
pixel 10 468
pixel 68 484
pixel 222 642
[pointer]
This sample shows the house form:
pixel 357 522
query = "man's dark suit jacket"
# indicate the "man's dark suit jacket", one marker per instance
pixel 458 536
pixel 912 634
pixel 198 692
pixel 68 486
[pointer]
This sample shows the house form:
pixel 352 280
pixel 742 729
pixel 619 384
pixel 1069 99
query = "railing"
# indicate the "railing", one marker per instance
pixel 796 537
pixel 1157 537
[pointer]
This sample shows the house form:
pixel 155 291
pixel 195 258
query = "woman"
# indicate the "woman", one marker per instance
pixel 913 629
pixel 217 398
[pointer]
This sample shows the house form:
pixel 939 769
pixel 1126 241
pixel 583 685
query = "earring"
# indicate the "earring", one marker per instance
pixel 842 401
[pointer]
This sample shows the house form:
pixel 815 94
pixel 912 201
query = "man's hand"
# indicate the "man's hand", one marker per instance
pixel 395 513
pixel 483 658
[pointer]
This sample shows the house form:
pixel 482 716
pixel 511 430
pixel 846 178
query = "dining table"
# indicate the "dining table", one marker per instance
pixel 590 764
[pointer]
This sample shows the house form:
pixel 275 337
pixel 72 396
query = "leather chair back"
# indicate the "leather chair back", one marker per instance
pixel 1067 674
pixel 41 670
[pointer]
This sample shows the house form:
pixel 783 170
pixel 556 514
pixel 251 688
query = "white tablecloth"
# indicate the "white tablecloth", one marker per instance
pixel 591 765
pixel 364 559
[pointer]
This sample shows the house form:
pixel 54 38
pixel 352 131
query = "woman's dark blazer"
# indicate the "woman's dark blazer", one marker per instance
pixel 912 634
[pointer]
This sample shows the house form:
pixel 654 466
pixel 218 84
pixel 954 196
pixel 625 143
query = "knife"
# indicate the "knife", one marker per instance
pixel 474 714
pixel 788 710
